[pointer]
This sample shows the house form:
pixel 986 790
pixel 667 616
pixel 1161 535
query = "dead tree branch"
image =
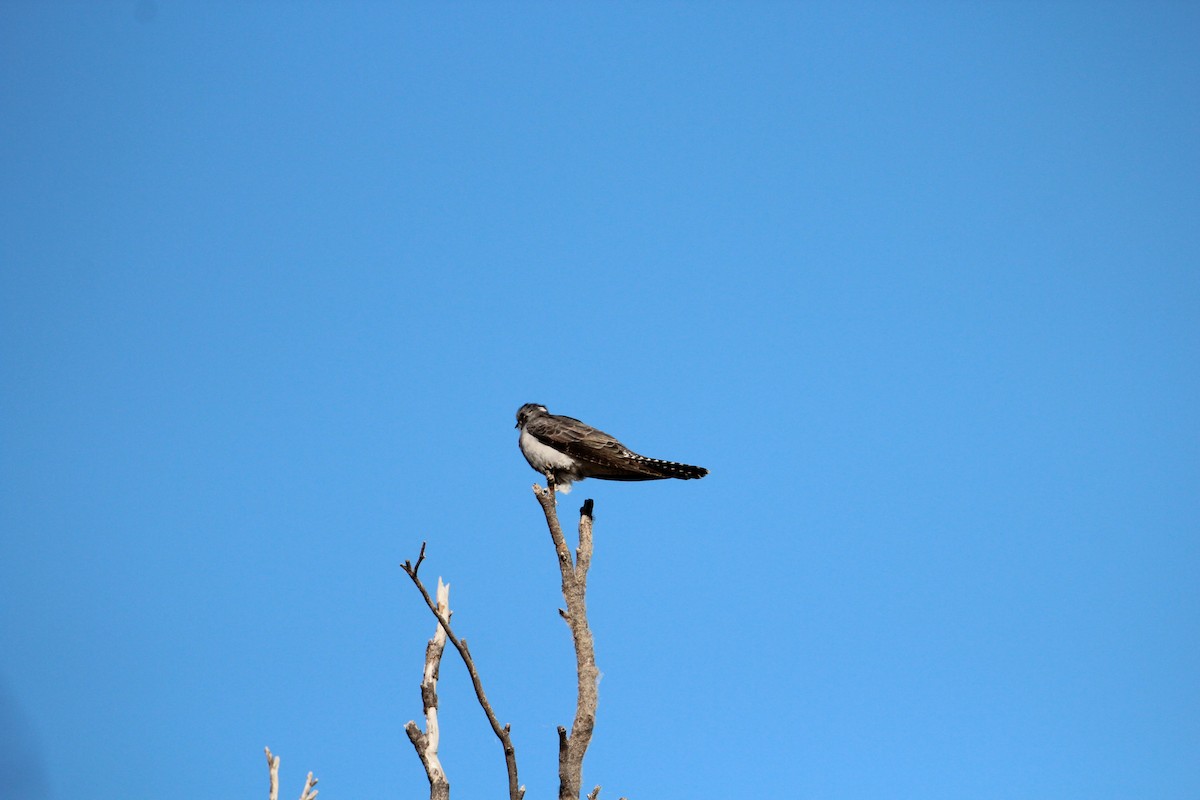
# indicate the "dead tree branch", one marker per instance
pixel 310 792
pixel 426 743
pixel 273 767
pixel 573 747
pixel 503 732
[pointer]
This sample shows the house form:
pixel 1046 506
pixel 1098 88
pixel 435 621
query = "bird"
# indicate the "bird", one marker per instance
pixel 570 451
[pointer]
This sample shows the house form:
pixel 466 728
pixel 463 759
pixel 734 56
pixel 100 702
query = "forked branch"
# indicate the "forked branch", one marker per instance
pixel 503 732
pixel 310 791
pixel 573 746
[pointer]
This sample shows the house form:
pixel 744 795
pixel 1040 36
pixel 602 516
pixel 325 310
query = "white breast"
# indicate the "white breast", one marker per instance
pixel 541 457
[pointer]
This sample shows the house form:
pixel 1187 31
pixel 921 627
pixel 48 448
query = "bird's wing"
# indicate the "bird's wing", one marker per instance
pixel 569 435
pixel 605 456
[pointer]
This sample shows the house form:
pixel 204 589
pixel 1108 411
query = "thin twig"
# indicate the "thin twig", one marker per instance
pixel 573 747
pixel 503 732
pixel 410 568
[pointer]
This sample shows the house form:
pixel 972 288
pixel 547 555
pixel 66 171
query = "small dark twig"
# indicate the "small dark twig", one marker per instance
pixel 408 566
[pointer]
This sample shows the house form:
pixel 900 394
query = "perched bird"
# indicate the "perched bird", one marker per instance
pixel 572 451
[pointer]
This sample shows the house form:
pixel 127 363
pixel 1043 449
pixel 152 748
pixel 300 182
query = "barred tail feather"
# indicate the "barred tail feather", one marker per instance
pixel 673 469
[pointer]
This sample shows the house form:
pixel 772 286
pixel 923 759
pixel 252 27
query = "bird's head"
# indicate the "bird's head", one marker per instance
pixel 528 411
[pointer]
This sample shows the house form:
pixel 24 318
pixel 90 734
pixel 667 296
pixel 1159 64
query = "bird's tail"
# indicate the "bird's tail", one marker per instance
pixel 672 469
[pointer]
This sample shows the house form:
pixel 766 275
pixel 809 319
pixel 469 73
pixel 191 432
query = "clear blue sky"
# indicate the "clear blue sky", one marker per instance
pixel 919 283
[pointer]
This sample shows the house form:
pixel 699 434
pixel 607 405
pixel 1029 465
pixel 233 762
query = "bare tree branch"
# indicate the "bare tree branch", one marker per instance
pixel 573 747
pixel 273 767
pixel 309 792
pixel 503 733
pixel 411 568
pixel 426 743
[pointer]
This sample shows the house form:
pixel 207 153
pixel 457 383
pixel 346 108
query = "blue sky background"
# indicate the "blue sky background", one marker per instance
pixel 918 283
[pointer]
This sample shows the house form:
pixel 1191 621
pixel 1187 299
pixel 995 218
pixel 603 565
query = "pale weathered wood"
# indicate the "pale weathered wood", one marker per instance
pixel 426 743
pixel 572 747
pixel 309 793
